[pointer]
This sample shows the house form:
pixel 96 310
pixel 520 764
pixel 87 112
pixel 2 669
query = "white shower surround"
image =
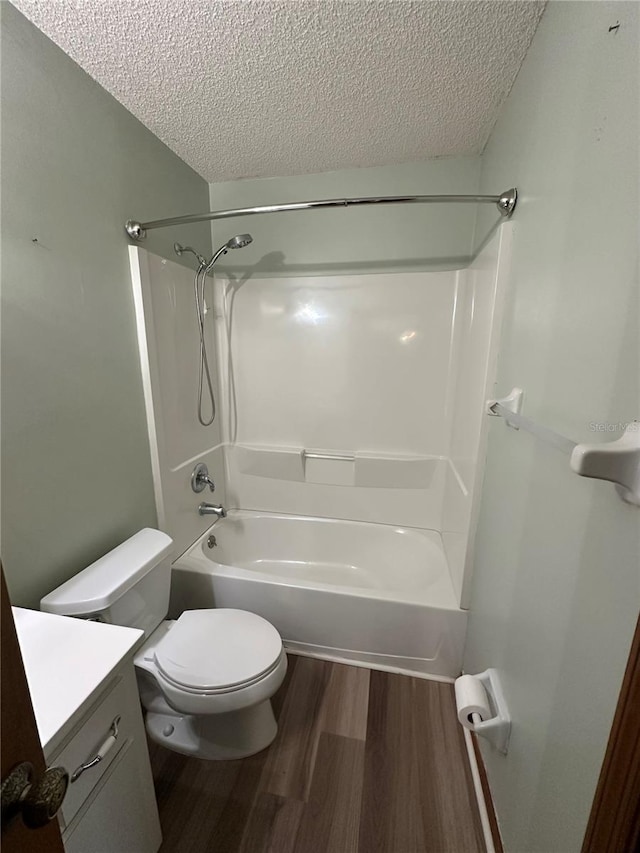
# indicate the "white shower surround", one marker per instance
pixel 389 371
pixel 348 365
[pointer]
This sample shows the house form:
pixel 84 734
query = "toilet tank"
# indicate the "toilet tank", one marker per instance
pixel 128 586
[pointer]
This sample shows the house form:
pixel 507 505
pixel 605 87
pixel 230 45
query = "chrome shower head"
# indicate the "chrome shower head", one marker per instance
pixel 239 241
pixel 179 250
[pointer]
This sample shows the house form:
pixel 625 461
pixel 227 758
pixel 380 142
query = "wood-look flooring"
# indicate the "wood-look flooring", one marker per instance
pixel 364 762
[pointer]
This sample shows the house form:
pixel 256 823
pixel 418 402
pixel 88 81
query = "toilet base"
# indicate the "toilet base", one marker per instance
pixel 215 737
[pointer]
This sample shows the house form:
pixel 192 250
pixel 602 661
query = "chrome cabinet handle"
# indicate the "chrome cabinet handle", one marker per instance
pixel 103 750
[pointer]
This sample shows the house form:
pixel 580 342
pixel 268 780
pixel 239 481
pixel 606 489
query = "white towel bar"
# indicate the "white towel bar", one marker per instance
pixel 616 461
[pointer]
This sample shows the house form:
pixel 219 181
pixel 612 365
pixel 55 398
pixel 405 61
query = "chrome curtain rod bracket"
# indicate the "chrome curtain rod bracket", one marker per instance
pixel 505 202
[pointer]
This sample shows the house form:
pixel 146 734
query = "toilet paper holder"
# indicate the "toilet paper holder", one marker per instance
pixel 497 728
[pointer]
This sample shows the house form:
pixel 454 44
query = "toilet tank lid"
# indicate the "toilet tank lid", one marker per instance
pixel 103 582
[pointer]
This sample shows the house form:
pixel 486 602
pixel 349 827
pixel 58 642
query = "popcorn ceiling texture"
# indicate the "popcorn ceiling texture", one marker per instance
pixel 255 88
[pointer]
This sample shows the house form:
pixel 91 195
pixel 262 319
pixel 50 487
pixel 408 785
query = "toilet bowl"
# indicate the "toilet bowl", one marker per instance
pixel 206 679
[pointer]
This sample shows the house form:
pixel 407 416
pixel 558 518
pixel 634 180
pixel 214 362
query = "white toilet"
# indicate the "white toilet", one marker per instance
pixel 206 680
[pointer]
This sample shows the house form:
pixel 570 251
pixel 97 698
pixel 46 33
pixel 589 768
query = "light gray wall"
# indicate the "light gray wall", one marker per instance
pixel 76 476
pixel 388 238
pixel 557 575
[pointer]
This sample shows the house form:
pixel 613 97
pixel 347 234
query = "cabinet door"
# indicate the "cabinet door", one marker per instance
pixel 121 815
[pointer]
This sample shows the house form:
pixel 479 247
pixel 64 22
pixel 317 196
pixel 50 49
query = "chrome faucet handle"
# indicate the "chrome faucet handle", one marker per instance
pixel 200 479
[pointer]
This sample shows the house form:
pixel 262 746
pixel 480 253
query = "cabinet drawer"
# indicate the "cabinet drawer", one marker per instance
pixel 117 704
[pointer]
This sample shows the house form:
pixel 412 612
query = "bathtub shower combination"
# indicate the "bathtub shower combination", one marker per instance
pixel 342 430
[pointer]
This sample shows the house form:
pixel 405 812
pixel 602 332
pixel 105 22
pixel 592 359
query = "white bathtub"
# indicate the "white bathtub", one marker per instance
pixel 344 590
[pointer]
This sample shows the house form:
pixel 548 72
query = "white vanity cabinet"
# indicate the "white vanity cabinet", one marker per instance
pixel 86 703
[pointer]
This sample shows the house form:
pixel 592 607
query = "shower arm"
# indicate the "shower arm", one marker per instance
pixel 505 202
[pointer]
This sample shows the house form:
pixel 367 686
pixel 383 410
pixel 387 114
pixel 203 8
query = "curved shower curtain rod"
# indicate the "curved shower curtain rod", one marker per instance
pixel 505 202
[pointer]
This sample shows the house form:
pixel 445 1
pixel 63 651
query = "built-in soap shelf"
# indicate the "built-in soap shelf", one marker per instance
pixel 617 461
pixel 311 465
pixel 275 463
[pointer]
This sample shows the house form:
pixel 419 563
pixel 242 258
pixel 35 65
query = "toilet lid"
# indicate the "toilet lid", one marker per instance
pixel 216 649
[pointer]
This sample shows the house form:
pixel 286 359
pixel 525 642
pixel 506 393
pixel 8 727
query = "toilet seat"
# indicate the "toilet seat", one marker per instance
pixel 209 652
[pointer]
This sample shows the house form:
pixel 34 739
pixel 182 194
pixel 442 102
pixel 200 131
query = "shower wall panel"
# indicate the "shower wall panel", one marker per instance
pixel 346 366
pixel 169 354
pixel 478 315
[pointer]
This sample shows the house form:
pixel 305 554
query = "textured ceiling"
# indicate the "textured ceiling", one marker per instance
pixel 245 88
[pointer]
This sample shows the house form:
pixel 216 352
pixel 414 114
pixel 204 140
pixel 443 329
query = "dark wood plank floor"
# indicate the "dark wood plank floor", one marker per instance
pixel 364 762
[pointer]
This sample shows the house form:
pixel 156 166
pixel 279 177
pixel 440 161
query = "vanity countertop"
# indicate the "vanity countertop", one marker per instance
pixel 66 661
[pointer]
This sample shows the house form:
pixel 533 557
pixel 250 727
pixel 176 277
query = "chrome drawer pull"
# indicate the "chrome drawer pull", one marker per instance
pixel 105 748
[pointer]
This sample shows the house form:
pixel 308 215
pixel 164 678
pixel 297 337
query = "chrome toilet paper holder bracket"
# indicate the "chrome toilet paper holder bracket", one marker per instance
pixel 497 729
